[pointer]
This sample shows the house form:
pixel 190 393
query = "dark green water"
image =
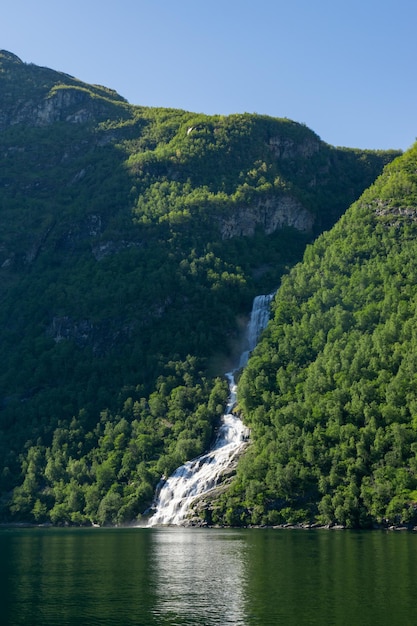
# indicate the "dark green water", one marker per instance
pixel 184 577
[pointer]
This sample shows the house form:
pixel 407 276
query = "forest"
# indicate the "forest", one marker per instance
pixel 330 392
pixel 133 241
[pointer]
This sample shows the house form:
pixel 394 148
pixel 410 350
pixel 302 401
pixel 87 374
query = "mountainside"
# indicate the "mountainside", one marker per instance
pixel 132 243
pixel 331 391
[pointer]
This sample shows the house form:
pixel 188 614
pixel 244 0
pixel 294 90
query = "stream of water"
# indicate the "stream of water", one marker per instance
pixel 198 476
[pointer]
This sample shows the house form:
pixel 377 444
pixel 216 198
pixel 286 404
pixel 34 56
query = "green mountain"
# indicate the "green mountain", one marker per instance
pixel 133 240
pixel 331 391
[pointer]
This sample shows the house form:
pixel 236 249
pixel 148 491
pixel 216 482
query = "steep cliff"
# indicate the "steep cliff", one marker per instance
pixel 269 214
pixel 38 96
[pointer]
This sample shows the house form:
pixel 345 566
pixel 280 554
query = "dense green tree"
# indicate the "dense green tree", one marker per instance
pixel 330 392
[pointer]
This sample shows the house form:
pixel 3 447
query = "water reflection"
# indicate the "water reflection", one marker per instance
pixel 199 576
pixel 327 578
pixel 185 577
pixel 74 578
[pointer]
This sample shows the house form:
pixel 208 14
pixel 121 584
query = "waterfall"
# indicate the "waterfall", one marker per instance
pixel 258 320
pixel 197 477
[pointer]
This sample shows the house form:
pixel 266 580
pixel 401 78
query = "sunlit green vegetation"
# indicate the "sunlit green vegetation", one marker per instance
pixel 331 392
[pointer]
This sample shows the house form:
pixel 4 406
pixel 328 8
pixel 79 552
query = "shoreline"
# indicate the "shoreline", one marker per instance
pixel 314 526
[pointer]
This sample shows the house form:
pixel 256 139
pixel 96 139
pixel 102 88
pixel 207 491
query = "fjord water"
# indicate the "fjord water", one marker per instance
pixel 196 477
pixel 207 577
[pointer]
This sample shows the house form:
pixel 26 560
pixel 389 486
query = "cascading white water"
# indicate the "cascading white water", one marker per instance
pixel 197 477
pixel 258 320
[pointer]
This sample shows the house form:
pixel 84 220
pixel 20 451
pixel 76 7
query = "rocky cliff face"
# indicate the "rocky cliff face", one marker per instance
pixel 42 96
pixel 285 148
pixel 99 337
pixel 270 215
pixel 72 105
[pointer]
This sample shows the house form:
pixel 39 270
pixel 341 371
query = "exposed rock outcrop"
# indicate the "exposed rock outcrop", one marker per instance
pixel 53 97
pixel 106 248
pixel 270 214
pixel 285 148
pixel 101 336
pixel 69 104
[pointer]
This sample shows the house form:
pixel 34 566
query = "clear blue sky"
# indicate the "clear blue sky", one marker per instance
pixel 346 69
